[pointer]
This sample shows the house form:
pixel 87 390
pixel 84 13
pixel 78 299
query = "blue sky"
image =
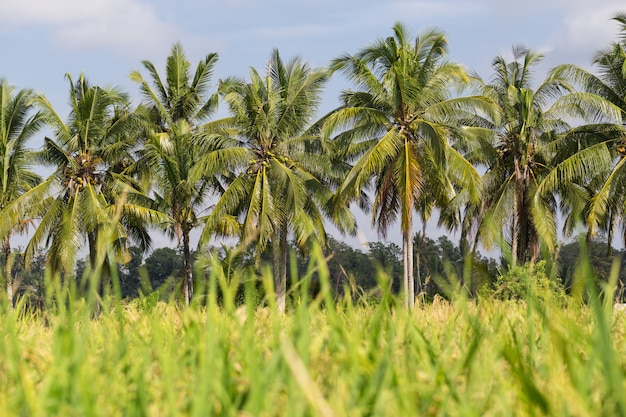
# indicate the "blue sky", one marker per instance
pixel 106 39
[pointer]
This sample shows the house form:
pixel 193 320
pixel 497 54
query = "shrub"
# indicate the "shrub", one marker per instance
pixel 528 281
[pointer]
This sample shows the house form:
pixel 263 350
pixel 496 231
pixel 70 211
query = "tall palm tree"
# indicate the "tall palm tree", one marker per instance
pixel 607 200
pixel 286 180
pixel 536 159
pixel 179 158
pixel 88 151
pixel 82 199
pixel 399 121
pixel 18 124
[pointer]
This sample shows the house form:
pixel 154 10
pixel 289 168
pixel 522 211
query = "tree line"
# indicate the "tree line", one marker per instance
pixel 359 274
pixel 499 160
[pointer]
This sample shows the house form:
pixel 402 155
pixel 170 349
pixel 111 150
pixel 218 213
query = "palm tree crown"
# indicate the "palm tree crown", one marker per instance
pixel 174 157
pixel 535 159
pixel 606 199
pixel 96 142
pixel 285 183
pixel 400 120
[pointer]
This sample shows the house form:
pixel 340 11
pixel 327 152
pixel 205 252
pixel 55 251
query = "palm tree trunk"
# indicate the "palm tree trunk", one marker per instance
pixel 6 248
pixel 187 269
pixel 408 276
pixel 280 269
pixel 528 250
pixel 609 239
pixel 515 232
pixel 411 271
pixel 514 237
pixel 86 285
pixel 479 222
pixel 418 272
pixel 418 257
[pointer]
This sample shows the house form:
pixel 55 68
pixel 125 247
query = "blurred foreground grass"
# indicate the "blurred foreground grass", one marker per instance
pixel 466 358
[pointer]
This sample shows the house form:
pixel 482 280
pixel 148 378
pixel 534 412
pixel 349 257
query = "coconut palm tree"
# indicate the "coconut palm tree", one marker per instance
pixel 180 159
pixel 285 184
pixel 88 151
pixel 82 200
pixel 607 195
pixel 398 124
pixel 18 124
pixel 536 160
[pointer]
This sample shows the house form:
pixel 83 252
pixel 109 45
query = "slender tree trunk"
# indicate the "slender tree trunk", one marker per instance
pixel 418 272
pixel 533 245
pixel 477 233
pixel 187 267
pixel 405 276
pixel 515 232
pixel 418 257
pixel 84 282
pixel 6 248
pixel 408 274
pixel 609 239
pixel 280 269
pixel 526 250
pixel 411 269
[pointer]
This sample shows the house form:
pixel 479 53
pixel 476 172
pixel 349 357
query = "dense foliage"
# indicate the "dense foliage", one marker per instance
pixel 501 164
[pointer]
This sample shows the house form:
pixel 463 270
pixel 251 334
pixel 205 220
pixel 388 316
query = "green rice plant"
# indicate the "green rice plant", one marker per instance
pixel 323 357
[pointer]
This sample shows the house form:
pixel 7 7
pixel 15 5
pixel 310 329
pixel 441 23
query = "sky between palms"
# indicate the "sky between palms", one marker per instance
pixel 44 39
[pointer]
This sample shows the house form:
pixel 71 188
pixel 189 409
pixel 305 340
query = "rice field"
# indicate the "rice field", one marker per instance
pixel 324 357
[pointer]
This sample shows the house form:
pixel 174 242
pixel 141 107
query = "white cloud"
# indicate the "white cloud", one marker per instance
pixel 590 27
pixel 125 24
pixel 584 30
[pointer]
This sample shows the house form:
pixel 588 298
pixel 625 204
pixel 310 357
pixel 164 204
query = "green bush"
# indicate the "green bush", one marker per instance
pixel 529 281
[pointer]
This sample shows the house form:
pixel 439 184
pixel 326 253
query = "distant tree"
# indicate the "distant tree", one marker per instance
pixel 601 261
pixel 443 267
pixel 130 273
pixel 163 263
pixel 349 266
pixel 30 281
pixel 386 257
pixel 82 266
